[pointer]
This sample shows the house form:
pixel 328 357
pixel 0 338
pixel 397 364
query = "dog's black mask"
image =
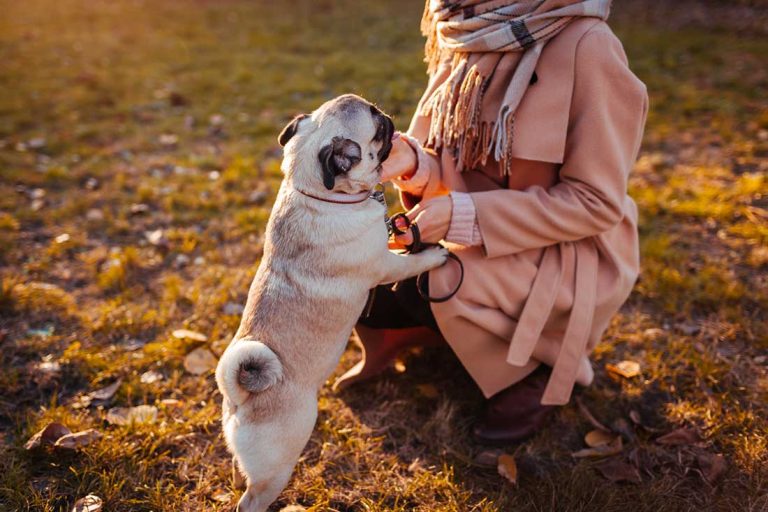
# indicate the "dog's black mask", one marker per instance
pixel 385 128
pixel 338 157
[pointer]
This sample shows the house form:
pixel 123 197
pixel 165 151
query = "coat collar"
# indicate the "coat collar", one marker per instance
pixel 543 117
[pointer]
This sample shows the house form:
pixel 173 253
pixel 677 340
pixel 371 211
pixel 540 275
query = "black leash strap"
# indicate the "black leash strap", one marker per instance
pixel 423 288
pixel 399 224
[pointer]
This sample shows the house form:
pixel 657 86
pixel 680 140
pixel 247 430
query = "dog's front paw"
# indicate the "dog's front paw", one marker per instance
pixel 437 256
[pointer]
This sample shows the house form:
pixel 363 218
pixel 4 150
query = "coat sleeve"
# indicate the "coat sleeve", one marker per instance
pixel 606 122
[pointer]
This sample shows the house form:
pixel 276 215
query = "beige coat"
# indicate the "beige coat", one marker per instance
pixel 560 243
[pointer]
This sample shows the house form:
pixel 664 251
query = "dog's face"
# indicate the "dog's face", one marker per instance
pixel 340 147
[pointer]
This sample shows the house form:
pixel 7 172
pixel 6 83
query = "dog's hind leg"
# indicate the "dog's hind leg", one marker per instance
pixel 267 452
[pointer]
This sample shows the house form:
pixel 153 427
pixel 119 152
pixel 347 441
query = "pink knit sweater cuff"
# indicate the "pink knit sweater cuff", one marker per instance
pixel 463 229
pixel 415 184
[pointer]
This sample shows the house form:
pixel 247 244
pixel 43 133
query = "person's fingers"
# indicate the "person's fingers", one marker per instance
pixel 429 229
pixel 402 159
pixel 404 239
pixel 414 212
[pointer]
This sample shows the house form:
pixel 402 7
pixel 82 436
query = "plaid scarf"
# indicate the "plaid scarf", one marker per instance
pixel 481 57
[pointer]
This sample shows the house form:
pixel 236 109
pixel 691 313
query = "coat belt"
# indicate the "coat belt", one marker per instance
pixel 538 309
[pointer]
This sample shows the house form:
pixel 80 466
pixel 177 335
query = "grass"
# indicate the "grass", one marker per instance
pixel 145 131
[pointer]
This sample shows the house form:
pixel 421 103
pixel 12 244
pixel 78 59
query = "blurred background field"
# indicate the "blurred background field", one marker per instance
pixel 138 164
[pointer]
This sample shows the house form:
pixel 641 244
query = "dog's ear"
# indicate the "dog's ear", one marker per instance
pixel 290 129
pixel 338 157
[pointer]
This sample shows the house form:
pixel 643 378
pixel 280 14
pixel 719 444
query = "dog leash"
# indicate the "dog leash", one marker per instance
pixel 399 224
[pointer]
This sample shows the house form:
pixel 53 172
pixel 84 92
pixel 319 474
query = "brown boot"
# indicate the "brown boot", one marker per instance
pixel 515 413
pixel 381 347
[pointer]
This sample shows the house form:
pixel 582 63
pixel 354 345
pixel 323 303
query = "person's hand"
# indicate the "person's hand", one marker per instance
pixel 433 218
pixel 402 160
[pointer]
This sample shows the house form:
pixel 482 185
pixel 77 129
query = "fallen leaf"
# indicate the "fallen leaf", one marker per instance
pixel 92 183
pixel 189 437
pixel 200 361
pixel 151 376
pixel 712 466
pixel 293 508
pixel 223 497
pixel 589 416
pixel 37 193
pixel 622 426
pixel 641 460
pixel 635 417
pixel 107 392
pixel 186 334
pixel 612 448
pixel 80 402
pixel 680 437
pixel 489 458
pixel 139 209
pixel 596 438
pixel 653 334
pixel 156 237
pixel 128 415
pixel 617 471
pixel 90 503
pixel 428 390
pixel 133 344
pixel 78 439
pixel 47 436
pixel 626 369
pixel 171 402
pixel 507 467
pixel 46 373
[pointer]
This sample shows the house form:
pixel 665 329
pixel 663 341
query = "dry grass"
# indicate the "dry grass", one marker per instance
pixel 175 105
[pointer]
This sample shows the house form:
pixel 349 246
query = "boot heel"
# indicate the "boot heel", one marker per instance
pixel 380 347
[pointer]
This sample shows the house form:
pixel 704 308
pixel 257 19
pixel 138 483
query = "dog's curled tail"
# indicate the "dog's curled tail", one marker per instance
pixel 247 367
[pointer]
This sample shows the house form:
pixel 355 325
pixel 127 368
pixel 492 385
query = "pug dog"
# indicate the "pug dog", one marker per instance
pixel 325 248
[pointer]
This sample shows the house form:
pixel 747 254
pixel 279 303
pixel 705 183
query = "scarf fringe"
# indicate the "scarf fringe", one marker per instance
pixel 456 105
pixel 455 109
